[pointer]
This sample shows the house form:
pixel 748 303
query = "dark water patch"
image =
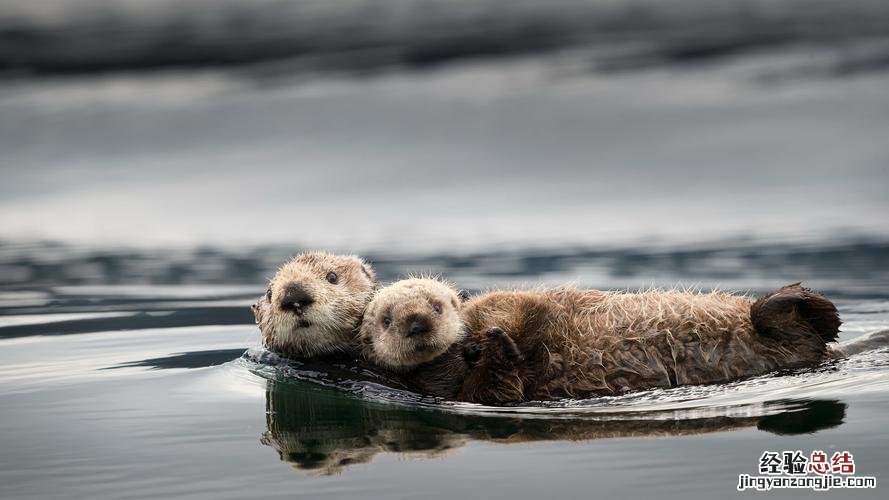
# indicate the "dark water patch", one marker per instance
pixel 54 301
pixel 138 321
pixel 198 359
pixel 327 435
pixel 816 416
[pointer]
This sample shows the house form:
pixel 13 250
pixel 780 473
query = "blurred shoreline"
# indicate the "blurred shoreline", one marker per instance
pixel 54 37
pixel 171 142
pixel 853 268
pixel 507 153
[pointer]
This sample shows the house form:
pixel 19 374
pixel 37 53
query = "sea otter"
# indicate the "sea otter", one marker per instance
pixel 413 328
pixel 314 305
pixel 546 344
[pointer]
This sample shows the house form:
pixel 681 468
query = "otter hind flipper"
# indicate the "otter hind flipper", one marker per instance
pixel 792 309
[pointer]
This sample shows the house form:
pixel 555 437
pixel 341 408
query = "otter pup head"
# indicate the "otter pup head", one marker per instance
pixel 411 322
pixel 314 304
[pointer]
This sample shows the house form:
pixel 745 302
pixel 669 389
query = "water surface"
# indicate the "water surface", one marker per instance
pixel 159 159
pixel 111 391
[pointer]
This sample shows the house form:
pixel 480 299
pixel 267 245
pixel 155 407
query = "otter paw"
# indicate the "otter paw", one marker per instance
pixel 505 345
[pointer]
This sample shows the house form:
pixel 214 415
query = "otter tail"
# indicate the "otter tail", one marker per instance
pixel 869 342
pixel 794 309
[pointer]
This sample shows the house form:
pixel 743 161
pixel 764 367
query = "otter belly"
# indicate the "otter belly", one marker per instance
pixel 580 343
pixel 666 339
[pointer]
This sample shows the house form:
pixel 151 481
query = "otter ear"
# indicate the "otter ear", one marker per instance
pixel 461 297
pixel 365 268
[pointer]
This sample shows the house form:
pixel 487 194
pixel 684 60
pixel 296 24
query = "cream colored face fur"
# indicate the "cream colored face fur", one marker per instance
pixel 314 304
pixel 410 322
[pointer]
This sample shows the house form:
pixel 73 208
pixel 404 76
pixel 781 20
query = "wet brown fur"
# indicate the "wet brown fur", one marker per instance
pixel 581 343
pixel 570 343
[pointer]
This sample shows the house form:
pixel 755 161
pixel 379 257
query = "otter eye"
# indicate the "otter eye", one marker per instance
pixel 387 321
pixel 436 307
pixel 268 294
pixel 332 278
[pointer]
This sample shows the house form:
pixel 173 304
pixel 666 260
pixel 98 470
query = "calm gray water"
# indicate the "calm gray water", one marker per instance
pixel 578 122
pixel 159 159
pixel 121 390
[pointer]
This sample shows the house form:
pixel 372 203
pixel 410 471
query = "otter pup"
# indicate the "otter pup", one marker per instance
pixel 314 304
pixel 565 342
pixel 413 327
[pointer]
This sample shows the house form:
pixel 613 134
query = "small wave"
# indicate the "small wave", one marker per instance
pixel 323 419
pixel 770 394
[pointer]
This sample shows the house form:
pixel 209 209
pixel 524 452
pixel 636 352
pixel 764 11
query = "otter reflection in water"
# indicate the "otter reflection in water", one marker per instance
pixel 323 432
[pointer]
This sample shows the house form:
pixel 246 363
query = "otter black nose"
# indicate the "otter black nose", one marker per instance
pixel 418 326
pixel 296 298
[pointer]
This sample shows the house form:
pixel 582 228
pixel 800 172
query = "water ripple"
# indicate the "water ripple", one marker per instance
pixel 769 394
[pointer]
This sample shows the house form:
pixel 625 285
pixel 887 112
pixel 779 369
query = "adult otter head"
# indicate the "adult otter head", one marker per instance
pixel 411 322
pixel 314 304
